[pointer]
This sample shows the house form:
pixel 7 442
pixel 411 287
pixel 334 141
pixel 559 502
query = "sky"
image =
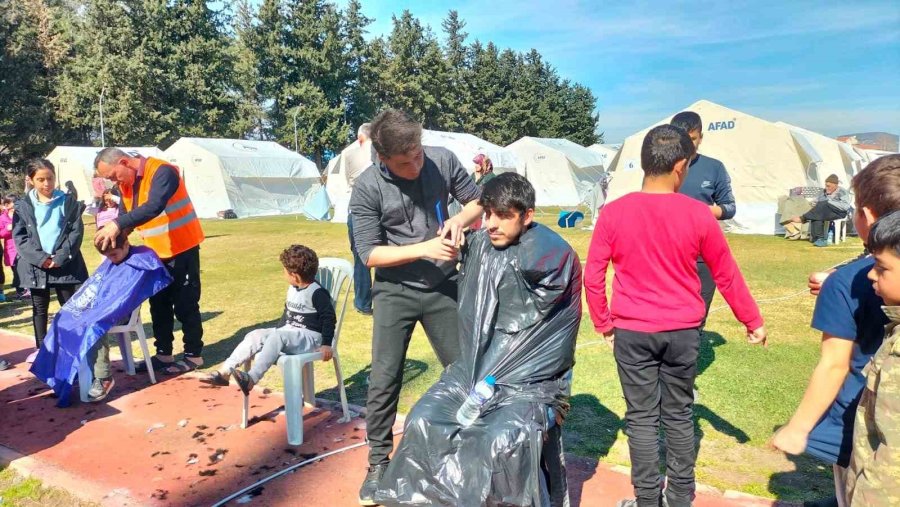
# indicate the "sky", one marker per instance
pixel 831 67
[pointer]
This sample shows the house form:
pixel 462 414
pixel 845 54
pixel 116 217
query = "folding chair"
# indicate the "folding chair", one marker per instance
pixel 134 325
pixel 334 276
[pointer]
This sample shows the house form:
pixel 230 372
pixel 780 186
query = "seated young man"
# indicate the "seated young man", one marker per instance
pixel 126 278
pixel 307 324
pixel 519 312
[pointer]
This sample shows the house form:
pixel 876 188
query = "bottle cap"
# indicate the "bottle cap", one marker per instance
pixel 490 380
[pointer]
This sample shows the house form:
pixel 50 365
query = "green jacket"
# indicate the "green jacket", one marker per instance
pixel 873 478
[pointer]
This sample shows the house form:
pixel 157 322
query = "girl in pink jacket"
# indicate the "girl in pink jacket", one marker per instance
pixel 9 246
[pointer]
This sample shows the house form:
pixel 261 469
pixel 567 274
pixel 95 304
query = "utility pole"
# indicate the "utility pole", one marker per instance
pixel 102 133
pixel 296 142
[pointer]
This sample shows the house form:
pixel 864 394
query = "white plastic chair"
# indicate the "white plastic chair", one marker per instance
pixel 840 230
pixel 335 276
pixel 134 325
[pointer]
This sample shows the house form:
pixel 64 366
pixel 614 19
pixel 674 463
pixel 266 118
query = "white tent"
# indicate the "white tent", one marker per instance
pixel 253 178
pixel 466 146
pixel 563 173
pixel 764 161
pixel 607 152
pixel 76 164
pixel 870 155
pixel 836 157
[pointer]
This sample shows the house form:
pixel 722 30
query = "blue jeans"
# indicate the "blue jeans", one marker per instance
pixel 362 276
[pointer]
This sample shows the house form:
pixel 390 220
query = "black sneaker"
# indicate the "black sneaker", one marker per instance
pixel 4 364
pixel 371 483
pixel 243 380
pixel 100 389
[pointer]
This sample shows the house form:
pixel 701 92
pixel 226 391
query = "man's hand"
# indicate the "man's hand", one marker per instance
pixel 438 249
pixel 816 280
pixel 716 210
pixel 452 232
pixel 758 336
pixel 326 353
pixel 790 440
pixel 47 264
pixel 106 236
pixel 610 337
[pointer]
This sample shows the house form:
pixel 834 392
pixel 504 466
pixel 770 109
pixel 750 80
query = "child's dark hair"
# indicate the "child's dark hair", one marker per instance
pixel 688 120
pixel 36 164
pixel 121 239
pixel 664 146
pixel 885 234
pixel 9 199
pixel 877 187
pixel 507 192
pixel 300 260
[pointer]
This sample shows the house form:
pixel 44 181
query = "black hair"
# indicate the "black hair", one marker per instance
pixel 688 120
pixel 507 192
pixel 300 260
pixel 395 132
pixel 663 147
pixel 121 239
pixel 9 199
pixel 885 234
pixel 36 164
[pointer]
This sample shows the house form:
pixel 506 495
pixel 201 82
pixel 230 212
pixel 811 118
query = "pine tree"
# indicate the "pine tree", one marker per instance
pixel 250 115
pixel 360 93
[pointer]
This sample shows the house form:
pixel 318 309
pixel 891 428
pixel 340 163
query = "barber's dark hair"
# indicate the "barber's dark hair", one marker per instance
pixel 109 156
pixel 121 239
pixel 877 187
pixel 395 132
pixel 300 260
pixel 36 164
pixel 885 234
pixel 507 192
pixel 663 147
pixel 688 120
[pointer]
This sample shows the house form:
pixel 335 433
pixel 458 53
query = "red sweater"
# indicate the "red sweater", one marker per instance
pixel 653 241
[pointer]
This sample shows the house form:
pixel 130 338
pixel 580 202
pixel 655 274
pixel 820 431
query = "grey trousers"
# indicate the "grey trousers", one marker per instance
pixel 98 356
pixel 265 345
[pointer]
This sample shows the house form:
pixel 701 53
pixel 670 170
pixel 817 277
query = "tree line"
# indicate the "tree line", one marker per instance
pixel 164 69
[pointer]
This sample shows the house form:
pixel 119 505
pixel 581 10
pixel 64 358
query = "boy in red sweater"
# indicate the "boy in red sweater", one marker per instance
pixel 654 238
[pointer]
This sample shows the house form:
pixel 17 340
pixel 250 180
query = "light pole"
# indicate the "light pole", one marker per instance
pixel 296 142
pixel 102 134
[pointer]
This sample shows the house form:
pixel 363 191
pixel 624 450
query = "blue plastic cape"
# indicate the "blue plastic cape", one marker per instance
pixel 106 298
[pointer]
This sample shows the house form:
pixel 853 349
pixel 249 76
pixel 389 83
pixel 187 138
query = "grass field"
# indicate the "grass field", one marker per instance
pixel 745 392
pixel 18 491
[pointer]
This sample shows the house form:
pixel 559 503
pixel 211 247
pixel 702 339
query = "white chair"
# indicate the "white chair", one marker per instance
pixel 335 276
pixel 134 325
pixel 840 230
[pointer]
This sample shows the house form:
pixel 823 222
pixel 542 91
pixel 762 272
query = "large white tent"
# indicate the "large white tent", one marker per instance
pixel 834 157
pixel 563 173
pixel 76 164
pixel 607 152
pixel 466 146
pixel 253 178
pixel 870 155
pixel 764 161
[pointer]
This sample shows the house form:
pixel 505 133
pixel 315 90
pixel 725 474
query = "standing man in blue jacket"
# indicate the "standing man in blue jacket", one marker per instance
pixel 708 182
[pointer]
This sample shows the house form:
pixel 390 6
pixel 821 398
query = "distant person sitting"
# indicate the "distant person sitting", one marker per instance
pixel 306 325
pixel 833 204
pixel 123 281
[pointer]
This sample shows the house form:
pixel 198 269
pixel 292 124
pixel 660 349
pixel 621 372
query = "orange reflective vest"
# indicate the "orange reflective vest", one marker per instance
pixel 177 228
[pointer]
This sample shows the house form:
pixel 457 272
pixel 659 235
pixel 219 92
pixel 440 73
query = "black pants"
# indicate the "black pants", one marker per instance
pixel 817 217
pixel 397 310
pixel 657 372
pixel 181 300
pixel 40 304
pixel 707 288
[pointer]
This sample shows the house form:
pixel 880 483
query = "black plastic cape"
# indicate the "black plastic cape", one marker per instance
pixel 519 312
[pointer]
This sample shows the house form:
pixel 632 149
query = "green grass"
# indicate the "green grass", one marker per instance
pixel 744 391
pixel 17 491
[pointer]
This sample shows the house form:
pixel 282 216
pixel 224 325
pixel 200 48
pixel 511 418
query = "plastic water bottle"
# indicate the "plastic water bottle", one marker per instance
pixel 478 396
pixel 831 234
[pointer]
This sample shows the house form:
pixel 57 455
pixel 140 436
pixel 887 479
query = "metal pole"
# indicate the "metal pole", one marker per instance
pixel 102 134
pixel 296 142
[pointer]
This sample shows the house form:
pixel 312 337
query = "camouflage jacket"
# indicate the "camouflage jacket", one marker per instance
pixel 874 474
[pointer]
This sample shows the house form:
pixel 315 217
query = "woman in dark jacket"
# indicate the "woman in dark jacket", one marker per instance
pixel 48 230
